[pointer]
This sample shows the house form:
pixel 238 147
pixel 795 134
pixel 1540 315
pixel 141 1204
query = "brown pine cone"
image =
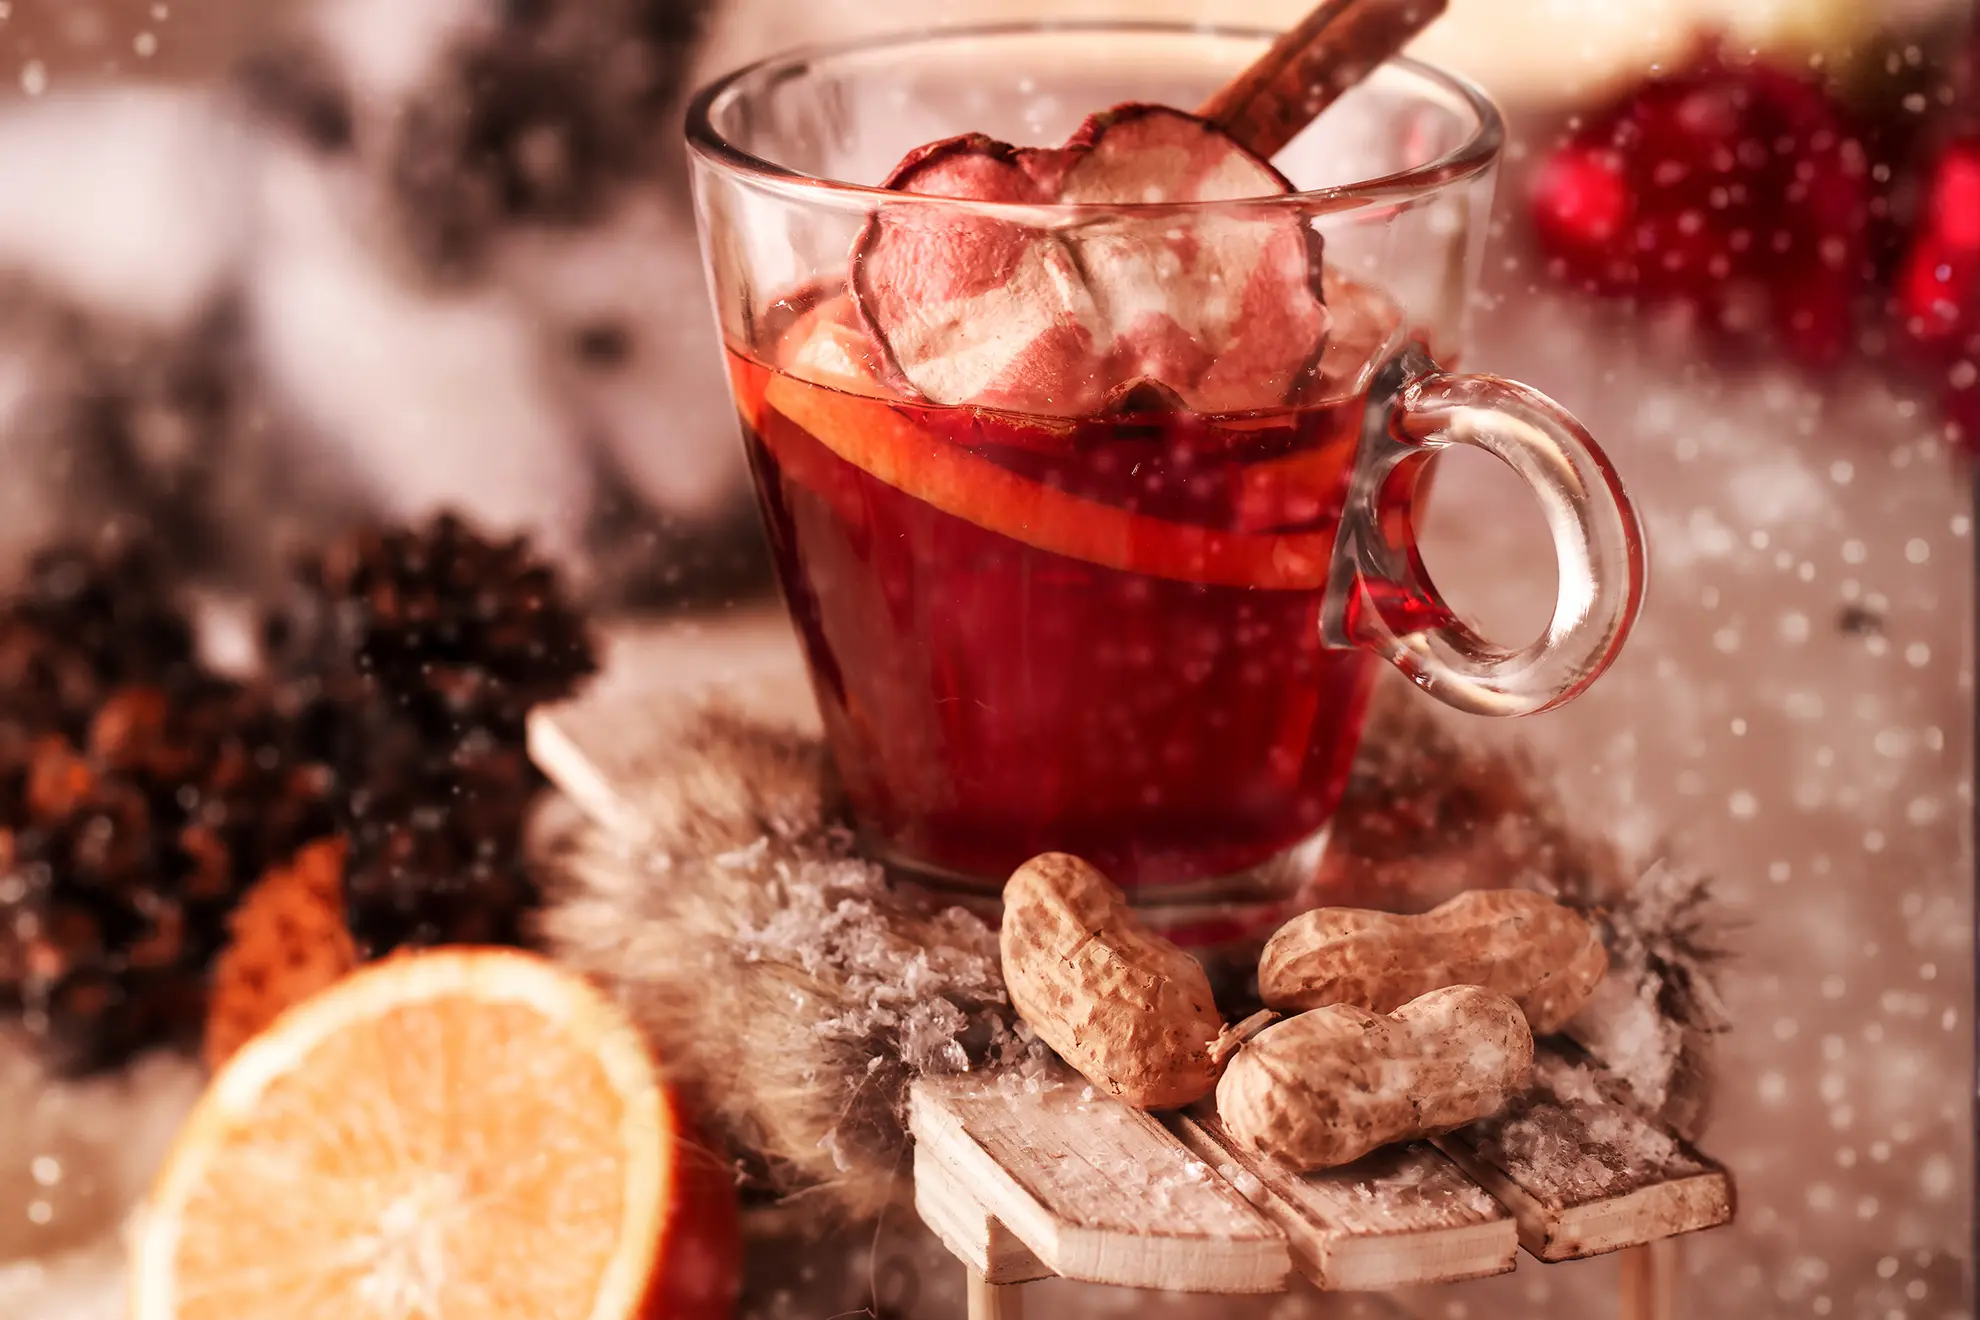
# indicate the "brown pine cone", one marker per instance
pixel 435 626
pixel 126 855
pixel 408 658
pixel 58 780
pixel 288 941
pixel 89 618
pixel 142 796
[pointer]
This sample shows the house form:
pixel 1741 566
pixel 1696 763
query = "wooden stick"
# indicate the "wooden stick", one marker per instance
pixel 970 1232
pixel 1307 69
pixel 1648 1287
pixel 994 1301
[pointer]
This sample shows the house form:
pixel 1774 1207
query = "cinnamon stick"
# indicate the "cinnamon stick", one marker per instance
pixel 1307 69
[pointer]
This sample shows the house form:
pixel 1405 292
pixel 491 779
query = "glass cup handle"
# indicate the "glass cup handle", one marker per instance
pixel 1379 595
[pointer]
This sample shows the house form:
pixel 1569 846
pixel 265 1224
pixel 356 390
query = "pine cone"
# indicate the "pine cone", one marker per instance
pixel 125 855
pixel 93 923
pixel 437 852
pixel 452 631
pixel 140 795
pixel 413 659
pixel 287 940
pixel 89 619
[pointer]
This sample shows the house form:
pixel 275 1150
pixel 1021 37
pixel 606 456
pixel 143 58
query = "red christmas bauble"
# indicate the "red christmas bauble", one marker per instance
pixel 1936 292
pixel 1733 188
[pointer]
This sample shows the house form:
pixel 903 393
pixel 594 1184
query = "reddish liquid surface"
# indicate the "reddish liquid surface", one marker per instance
pixel 987 698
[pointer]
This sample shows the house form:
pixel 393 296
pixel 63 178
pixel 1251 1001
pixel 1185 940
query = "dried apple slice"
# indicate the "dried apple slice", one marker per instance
pixel 1226 307
pixel 872 435
pixel 1221 308
pixel 972 308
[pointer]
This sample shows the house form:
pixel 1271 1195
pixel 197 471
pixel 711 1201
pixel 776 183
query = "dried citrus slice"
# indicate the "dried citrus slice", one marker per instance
pixel 872 436
pixel 454 1133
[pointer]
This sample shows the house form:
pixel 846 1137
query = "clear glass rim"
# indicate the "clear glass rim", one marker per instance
pixel 1464 161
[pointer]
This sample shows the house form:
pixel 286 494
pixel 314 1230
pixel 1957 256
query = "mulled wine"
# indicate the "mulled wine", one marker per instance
pixel 1091 468
pixel 1095 634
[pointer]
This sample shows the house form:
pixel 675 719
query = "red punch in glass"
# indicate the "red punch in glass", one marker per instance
pixel 1088 445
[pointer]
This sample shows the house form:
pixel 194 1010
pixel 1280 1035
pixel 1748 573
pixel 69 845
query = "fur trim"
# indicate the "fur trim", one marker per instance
pixel 794 993
pixel 787 988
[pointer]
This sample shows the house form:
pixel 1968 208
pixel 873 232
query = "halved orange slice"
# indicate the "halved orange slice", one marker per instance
pixel 454 1133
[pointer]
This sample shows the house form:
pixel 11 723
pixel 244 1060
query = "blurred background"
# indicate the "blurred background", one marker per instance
pixel 266 267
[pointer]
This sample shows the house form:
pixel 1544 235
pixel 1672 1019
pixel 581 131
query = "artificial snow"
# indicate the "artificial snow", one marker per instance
pixel 1792 720
pixel 1569 1137
pixel 75 1158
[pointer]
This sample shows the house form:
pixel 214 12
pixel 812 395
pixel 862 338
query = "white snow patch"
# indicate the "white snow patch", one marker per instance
pixel 435 398
pixel 82 167
pixel 389 48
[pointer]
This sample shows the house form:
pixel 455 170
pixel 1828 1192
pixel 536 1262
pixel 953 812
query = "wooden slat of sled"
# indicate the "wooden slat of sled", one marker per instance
pixel 1095 1189
pixel 601 745
pixel 972 1235
pixel 1403 1216
pixel 1584 1172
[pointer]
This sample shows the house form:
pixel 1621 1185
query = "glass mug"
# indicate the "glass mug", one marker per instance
pixel 1146 637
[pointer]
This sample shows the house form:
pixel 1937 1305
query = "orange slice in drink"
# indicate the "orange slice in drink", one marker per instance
pixel 827 346
pixel 454 1133
pixel 1299 488
pixel 871 435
